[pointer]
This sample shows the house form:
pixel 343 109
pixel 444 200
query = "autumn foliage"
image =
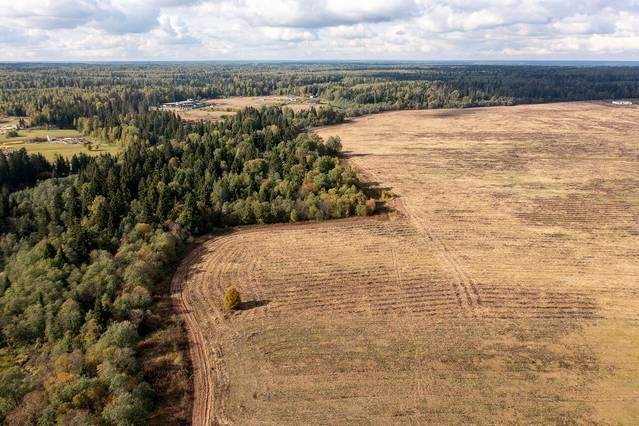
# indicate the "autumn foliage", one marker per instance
pixel 232 298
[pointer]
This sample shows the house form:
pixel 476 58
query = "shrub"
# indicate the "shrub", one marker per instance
pixel 387 194
pixel 371 205
pixel 333 145
pixel 232 298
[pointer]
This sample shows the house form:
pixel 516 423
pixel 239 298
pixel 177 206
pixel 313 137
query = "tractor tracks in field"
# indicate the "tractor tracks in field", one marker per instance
pixel 464 286
pixel 205 359
pixel 199 360
pixel 210 384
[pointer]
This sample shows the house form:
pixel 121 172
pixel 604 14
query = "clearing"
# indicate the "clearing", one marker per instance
pixel 223 107
pixel 504 290
pixel 8 123
pixel 50 150
pixel 65 142
pixel 27 135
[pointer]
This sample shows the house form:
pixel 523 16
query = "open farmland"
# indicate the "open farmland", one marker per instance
pixel 223 107
pixel 66 143
pixel 504 290
pixel 26 135
pixel 50 150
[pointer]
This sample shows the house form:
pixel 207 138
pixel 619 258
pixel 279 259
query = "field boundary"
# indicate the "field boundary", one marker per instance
pixel 202 397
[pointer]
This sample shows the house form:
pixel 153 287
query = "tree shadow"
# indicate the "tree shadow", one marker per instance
pixel 251 304
pixel 352 154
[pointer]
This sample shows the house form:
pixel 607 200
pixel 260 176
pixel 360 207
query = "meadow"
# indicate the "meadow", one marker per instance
pixel 25 135
pixel 223 107
pixel 51 149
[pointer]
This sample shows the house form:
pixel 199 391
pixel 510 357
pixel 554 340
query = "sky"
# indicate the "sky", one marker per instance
pixel 102 30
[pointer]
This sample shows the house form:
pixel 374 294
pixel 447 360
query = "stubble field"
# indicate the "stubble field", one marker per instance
pixel 505 289
pixel 220 108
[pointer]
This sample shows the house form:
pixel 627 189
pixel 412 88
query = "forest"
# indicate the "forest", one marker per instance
pixel 88 243
pixel 60 94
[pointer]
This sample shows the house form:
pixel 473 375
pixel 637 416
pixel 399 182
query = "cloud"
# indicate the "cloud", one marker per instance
pixel 318 29
pixel 325 13
pixel 47 14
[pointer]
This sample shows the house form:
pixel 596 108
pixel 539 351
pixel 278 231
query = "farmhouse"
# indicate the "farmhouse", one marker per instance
pixel 313 100
pixel 65 140
pixel 183 105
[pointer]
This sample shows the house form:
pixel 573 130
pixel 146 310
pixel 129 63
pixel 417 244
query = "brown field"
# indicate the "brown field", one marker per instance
pixel 504 290
pixel 8 123
pixel 222 107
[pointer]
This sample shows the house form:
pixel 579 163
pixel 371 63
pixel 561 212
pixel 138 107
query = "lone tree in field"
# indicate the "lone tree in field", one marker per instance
pixel 232 298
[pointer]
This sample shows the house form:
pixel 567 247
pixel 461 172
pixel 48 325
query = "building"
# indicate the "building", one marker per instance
pixel 184 105
pixel 621 103
pixel 313 100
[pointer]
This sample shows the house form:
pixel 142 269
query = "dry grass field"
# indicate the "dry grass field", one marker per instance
pixel 223 107
pixel 505 289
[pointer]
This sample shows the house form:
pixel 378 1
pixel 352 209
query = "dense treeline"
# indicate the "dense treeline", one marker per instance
pixel 61 94
pixel 20 170
pixel 83 253
pixel 156 126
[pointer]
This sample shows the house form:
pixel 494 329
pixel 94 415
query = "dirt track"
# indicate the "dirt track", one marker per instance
pixel 508 291
pixel 202 401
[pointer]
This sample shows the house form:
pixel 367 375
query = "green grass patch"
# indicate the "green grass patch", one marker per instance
pixel 49 150
pixel 30 134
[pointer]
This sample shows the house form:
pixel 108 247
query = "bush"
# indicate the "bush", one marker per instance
pixel 371 205
pixel 333 145
pixel 232 298
pixel 387 194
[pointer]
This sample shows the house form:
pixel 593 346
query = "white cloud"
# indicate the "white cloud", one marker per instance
pixel 324 13
pixel 318 29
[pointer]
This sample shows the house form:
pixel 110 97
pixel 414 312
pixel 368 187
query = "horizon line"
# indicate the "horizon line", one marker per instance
pixel 334 61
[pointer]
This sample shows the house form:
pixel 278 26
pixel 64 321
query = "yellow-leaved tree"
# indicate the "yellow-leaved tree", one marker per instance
pixel 232 298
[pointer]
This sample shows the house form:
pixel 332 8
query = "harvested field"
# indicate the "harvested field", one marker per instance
pixel 505 290
pixel 241 102
pixel 205 114
pixel 222 107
